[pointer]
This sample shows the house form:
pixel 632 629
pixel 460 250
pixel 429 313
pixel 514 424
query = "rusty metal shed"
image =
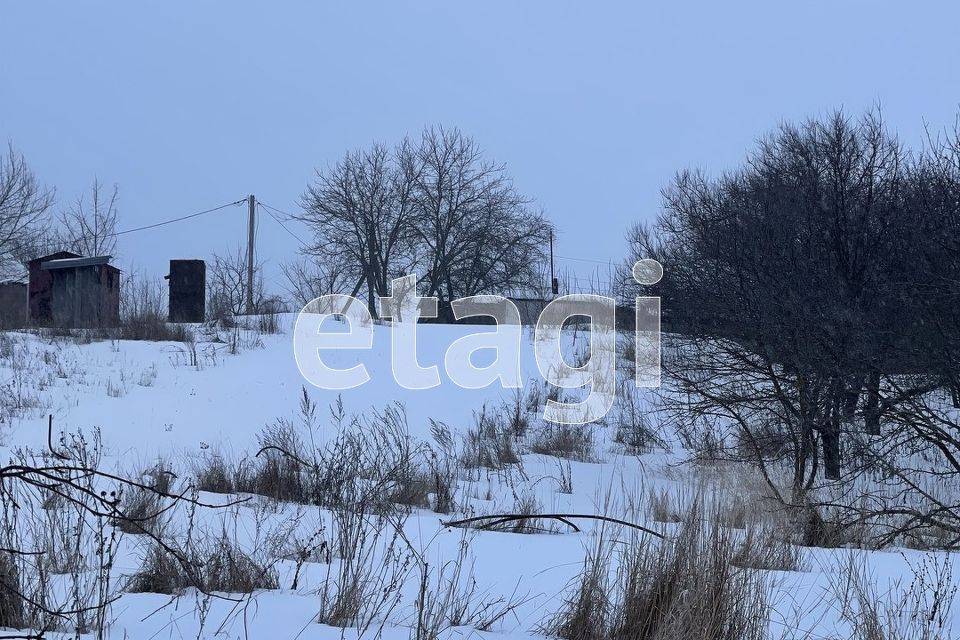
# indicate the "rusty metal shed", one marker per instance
pixel 69 291
pixel 188 290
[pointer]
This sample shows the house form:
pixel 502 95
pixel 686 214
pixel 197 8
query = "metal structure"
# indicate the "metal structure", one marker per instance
pixel 72 292
pixel 188 290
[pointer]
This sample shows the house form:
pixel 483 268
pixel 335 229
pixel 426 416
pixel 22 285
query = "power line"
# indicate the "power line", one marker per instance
pixel 286 215
pixel 268 209
pixel 283 213
pixel 604 262
pixel 180 219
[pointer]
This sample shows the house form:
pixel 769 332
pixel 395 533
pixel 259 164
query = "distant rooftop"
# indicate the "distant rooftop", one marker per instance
pixel 71 263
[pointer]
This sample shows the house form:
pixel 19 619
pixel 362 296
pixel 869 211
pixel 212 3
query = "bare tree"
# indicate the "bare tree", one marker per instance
pixel 783 274
pixel 308 279
pixel 359 210
pixel 227 282
pixel 90 225
pixel 435 206
pixel 476 231
pixel 931 258
pixel 23 203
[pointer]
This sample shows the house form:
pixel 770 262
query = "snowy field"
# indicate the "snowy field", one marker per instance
pixel 346 537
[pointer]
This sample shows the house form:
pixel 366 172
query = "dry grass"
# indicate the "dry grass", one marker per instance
pixel 489 443
pixel 362 585
pixel 921 611
pixel 768 548
pixel 12 613
pixel 572 442
pixel 217 566
pixel 664 506
pixel 214 475
pixel 448 597
pixel 682 588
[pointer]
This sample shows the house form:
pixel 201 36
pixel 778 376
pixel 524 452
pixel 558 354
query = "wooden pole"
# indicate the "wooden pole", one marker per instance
pixel 554 288
pixel 251 230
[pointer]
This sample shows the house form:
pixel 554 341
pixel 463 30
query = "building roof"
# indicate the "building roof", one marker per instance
pixel 55 256
pixel 73 263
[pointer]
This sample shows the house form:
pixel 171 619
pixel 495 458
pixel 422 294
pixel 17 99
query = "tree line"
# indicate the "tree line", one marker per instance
pixel 818 287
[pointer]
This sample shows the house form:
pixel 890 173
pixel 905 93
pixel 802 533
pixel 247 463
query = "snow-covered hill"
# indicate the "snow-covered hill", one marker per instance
pixel 380 470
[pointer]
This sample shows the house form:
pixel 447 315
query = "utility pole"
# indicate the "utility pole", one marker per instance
pixel 251 229
pixel 554 285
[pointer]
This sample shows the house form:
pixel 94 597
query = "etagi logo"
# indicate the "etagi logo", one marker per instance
pixel 405 308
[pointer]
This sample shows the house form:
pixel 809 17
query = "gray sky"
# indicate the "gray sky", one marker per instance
pixel 592 106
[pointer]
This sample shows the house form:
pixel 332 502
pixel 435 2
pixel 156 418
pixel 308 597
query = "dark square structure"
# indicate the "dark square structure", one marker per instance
pixel 72 292
pixel 188 290
pixel 13 304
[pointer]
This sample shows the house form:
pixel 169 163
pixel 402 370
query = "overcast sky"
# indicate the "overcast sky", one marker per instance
pixel 592 107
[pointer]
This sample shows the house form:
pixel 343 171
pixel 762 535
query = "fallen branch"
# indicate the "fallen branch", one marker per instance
pixel 502 518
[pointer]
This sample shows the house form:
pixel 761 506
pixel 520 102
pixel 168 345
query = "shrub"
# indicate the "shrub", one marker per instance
pixel 217 566
pixel 143 313
pixel 573 442
pixel 363 587
pixel 153 326
pixel 921 611
pixel 213 475
pixel 230 569
pixel 139 509
pixel 587 612
pixel 161 572
pixel 448 598
pixel 276 471
pixel 11 602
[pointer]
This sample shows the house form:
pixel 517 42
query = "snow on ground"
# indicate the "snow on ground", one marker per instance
pixel 150 403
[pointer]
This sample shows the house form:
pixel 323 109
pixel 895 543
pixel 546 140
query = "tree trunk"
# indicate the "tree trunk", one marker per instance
pixel 830 436
pixel 871 412
pixel 830 432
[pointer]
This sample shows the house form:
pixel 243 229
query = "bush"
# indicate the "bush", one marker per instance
pixel 634 430
pixel 573 442
pixel 154 327
pixel 218 566
pixel 161 572
pixel 274 472
pixel 444 468
pixel 214 476
pixel 143 313
pixel 11 602
pixel 139 509
pixel 231 570
pixel 921 611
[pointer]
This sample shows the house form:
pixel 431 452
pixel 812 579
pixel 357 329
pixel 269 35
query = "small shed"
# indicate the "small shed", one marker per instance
pixel 13 304
pixel 70 291
pixel 188 290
